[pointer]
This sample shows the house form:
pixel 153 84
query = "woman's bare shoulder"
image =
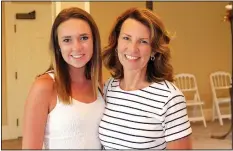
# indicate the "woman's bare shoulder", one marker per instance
pixel 43 85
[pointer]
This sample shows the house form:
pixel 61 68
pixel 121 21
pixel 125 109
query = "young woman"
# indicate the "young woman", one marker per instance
pixel 144 110
pixel 64 106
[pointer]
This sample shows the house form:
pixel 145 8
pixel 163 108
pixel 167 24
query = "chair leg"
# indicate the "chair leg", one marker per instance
pixel 218 113
pixel 203 116
pixel 213 112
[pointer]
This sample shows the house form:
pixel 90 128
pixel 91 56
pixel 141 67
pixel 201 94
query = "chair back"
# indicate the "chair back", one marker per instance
pixel 187 83
pixel 220 80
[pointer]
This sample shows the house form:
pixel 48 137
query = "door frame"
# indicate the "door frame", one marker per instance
pixel 9 131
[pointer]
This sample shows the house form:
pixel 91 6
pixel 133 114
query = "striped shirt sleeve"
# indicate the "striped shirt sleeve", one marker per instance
pixel 176 122
pixel 106 84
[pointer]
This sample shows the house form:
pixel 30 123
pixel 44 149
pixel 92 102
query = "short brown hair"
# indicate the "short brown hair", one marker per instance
pixel 158 70
pixel 93 67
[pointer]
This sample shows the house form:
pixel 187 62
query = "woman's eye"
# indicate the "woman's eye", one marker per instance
pixel 126 38
pixel 144 41
pixel 84 38
pixel 66 40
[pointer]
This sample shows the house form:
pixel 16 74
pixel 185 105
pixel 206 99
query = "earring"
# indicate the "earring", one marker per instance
pixel 152 58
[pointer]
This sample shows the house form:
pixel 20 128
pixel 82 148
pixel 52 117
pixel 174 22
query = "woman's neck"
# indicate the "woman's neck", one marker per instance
pixel 77 75
pixel 134 80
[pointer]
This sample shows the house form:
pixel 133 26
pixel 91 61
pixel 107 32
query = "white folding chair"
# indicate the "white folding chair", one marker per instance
pixel 220 81
pixel 187 84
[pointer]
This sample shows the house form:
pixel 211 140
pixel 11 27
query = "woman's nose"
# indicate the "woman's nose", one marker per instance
pixel 77 45
pixel 133 46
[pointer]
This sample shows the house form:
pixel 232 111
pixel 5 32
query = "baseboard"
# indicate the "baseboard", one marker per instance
pixel 209 112
pixel 6 134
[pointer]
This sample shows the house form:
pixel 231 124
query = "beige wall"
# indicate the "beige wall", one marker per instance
pixel 4 102
pixel 202 42
pixel 105 14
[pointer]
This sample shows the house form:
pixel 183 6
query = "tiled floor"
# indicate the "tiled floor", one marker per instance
pixel 201 137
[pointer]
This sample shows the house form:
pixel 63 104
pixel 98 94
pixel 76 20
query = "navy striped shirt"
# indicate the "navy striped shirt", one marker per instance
pixel 147 118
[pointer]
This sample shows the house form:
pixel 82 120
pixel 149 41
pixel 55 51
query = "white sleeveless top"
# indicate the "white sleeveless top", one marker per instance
pixel 74 126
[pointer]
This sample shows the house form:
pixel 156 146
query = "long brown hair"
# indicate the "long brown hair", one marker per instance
pixel 93 67
pixel 158 70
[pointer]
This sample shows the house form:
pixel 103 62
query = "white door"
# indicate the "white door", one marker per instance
pixel 28 41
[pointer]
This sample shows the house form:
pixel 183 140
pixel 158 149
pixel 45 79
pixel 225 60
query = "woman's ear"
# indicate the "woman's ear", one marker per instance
pixel 153 54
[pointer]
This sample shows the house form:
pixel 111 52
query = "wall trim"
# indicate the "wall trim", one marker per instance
pixel 208 113
pixel 57 8
pixel 87 7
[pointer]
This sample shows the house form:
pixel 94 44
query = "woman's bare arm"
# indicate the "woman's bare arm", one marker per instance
pixel 183 143
pixel 36 112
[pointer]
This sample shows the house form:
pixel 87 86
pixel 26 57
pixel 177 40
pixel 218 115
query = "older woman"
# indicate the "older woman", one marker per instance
pixel 144 110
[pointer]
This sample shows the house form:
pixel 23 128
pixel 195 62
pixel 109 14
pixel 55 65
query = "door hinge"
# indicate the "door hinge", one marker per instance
pixel 16 75
pixel 17 122
pixel 15 28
